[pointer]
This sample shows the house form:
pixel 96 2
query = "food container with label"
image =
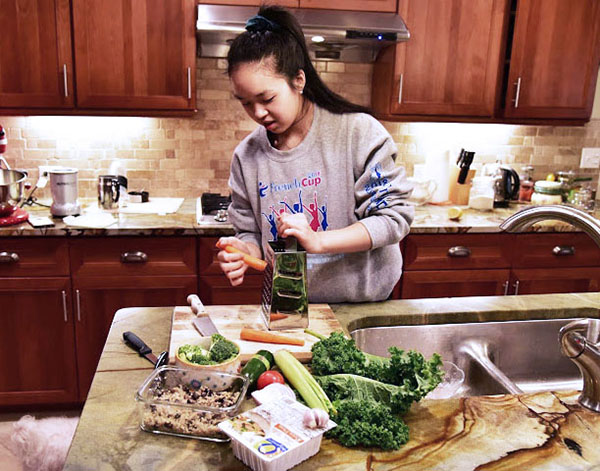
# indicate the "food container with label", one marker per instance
pixel 272 436
pixel 189 403
pixel 547 192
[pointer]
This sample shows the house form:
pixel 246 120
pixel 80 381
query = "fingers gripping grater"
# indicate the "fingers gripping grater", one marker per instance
pixel 284 295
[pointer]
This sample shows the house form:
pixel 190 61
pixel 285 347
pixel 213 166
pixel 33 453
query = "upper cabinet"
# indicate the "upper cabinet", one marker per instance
pixel 491 60
pixel 358 5
pixel 451 63
pixel 122 55
pixel 554 59
pixel 36 66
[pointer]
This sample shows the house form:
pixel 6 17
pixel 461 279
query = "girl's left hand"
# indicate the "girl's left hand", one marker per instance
pixel 296 225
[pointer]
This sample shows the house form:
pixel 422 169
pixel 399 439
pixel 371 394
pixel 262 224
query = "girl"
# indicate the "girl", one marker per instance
pixel 318 168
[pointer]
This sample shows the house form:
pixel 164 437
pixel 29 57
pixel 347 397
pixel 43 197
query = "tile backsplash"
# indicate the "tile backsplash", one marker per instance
pixel 188 156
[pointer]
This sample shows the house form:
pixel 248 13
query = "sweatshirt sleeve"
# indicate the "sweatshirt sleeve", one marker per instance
pixel 381 188
pixel 240 210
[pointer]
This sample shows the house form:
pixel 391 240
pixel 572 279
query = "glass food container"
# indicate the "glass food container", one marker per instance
pixel 189 403
pixel 481 195
pixel 546 192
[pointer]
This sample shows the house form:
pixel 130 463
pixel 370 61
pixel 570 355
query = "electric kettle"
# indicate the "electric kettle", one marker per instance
pixel 506 186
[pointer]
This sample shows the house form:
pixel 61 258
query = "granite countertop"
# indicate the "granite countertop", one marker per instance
pixel 428 219
pixel 531 431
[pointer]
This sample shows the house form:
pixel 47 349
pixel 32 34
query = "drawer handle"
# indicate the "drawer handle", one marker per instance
pixel 563 250
pixel 9 257
pixel 459 251
pixel 134 257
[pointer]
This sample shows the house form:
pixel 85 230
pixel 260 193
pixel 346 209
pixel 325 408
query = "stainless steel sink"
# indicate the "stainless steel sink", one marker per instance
pixel 497 357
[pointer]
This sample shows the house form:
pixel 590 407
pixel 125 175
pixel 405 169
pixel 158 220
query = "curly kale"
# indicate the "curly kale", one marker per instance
pixel 222 349
pixel 338 354
pixel 368 423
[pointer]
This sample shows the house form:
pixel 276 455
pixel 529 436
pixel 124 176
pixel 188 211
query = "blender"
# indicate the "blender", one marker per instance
pixel 63 187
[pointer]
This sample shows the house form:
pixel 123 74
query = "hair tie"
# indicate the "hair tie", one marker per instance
pixel 260 23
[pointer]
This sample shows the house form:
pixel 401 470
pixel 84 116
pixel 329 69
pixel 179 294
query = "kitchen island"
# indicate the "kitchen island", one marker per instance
pixel 532 431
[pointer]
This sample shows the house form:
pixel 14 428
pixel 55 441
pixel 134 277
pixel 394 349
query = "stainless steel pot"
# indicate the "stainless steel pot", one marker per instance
pixel 11 190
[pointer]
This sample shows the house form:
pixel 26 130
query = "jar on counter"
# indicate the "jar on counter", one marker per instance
pixel 545 192
pixel 481 195
pixel 526 183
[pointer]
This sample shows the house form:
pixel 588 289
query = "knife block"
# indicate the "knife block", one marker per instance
pixel 459 193
pixel 284 303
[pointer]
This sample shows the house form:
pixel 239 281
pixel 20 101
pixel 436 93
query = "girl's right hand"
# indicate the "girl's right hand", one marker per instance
pixel 233 264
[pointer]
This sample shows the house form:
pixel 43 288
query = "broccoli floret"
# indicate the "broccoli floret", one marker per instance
pixel 195 354
pixel 368 423
pixel 222 349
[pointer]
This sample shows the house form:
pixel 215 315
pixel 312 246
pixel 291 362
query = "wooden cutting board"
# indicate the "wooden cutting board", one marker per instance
pixel 229 321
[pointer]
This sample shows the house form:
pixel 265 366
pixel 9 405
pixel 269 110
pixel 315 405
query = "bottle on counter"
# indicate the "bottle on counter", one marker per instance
pixel 526 183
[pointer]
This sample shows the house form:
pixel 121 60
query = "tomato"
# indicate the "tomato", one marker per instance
pixel 269 377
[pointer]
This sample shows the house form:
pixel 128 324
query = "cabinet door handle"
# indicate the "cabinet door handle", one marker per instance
pixel 134 257
pixel 518 92
pixel 400 89
pixel 9 257
pixel 563 250
pixel 505 286
pixel 64 296
pixel 65 82
pixel 189 82
pixel 459 251
pixel 78 305
pixel 516 286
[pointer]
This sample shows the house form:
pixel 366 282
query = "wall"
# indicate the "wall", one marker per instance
pixel 185 157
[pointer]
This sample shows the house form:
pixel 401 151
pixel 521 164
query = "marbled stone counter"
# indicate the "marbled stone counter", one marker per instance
pixel 531 432
pixel 428 219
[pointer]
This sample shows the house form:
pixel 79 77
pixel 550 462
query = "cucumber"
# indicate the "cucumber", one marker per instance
pixel 262 361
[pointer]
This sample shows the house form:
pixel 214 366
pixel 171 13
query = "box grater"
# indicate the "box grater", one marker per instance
pixel 284 296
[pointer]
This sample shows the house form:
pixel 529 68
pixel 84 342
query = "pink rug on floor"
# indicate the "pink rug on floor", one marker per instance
pixel 42 445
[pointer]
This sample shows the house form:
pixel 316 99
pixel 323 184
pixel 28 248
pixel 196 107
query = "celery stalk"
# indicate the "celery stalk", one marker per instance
pixel 303 381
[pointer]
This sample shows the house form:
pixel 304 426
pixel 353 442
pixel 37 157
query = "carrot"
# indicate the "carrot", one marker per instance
pixel 268 337
pixel 253 262
pixel 274 316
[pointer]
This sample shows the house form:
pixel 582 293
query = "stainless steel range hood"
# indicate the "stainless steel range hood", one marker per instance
pixel 348 36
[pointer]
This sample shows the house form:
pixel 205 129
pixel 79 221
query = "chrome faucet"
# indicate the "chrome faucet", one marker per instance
pixel 584 350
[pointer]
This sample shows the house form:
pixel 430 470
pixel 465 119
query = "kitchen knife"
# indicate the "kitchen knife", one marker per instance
pixel 144 350
pixel 203 323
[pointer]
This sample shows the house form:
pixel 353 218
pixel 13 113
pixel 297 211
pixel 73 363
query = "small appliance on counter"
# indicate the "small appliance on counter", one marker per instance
pixel 63 187
pixel 506 183
pixel 214 202
pixel 111 190
pixel 11 189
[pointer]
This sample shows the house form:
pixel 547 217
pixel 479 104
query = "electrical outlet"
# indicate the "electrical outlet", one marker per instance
pixel 590 157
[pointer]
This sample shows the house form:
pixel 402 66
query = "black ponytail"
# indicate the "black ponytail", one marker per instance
pixel 276 33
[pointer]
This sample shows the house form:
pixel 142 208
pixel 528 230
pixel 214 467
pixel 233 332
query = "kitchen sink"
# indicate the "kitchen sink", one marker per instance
pixel 496 357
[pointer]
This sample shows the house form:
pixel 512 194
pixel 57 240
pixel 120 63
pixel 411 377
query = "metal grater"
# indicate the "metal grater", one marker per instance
pixel 284 294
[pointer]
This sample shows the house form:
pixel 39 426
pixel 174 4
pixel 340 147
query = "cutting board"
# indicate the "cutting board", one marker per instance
pixel 229 321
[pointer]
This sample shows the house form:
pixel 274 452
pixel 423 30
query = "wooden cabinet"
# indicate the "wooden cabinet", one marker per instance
pixel 214 287
pixel 444 265
pixel 37 339
pixel 135 54
pixel 113 273
pixel 440 265
pixel 128 55
pixel 451 64
pixel 554 59
pixel 283 3
pixel 358 5
pixel 36 66
pixel 491 60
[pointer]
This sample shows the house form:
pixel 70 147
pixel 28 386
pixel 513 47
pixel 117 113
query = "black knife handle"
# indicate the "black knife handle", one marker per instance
pixel 136 343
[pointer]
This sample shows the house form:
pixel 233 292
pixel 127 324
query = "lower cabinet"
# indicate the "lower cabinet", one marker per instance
pixel 37 341
pixel 444 265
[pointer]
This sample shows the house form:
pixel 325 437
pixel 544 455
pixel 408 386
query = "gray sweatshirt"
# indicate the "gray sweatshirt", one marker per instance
pixel 342 172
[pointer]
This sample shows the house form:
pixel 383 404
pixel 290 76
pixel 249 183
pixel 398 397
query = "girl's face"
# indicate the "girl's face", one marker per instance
pixel 267 96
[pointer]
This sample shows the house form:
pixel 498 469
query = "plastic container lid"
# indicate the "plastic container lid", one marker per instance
pixel 548 188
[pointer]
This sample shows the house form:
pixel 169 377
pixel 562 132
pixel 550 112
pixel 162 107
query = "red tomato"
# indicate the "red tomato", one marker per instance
pixel 269 377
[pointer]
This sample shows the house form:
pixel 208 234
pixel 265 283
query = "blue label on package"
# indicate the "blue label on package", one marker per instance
pixel 270 447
